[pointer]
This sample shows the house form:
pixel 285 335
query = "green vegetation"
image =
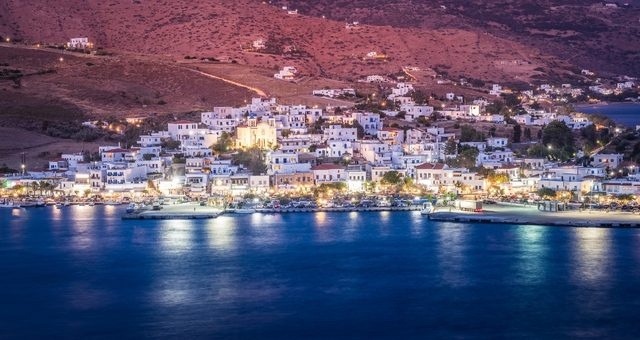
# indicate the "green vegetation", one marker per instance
pixel 392 178
pixel 558 140
pixel 517 133
pixel 546 193
pixel 224 144
pixel 451 147
pixel 466 158
pixel 253 159
pixel 469 134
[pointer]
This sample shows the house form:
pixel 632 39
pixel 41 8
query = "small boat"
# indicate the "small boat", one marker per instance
pixel 9 205
pixel 427 208
pixel 66 203
pixel 131 208
pixel 59 205
pixel 244 211
pixel 91 204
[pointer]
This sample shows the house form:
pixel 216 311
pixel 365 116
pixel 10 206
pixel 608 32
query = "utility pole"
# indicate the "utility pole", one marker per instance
pixel 23 162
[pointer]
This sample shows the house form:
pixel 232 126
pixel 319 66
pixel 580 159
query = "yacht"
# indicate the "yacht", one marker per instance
pixel 427 208
pixel 131 207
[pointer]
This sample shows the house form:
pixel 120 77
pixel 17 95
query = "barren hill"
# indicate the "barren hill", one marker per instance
pixel 588 33
pixel 320 47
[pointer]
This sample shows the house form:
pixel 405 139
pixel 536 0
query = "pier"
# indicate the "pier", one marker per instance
pixel 520 214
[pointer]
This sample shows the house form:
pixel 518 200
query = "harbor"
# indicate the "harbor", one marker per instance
pixel 194 211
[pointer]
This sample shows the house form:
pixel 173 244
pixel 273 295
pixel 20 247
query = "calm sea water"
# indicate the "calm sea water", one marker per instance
pixel 622 113
pixel 81 272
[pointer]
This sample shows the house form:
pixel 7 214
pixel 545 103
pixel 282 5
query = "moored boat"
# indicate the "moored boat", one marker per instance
pixel 131 208
pixel 427 208
pixel 244 211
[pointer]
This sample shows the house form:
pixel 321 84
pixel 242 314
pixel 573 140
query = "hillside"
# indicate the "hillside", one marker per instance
pixel 106 85
pixel 319 47
pixel 585 32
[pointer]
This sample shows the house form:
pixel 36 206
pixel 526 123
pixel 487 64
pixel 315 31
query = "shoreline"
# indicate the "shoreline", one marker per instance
pixel 493 214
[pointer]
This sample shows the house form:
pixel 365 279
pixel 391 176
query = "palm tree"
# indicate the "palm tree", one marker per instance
pixel 34 187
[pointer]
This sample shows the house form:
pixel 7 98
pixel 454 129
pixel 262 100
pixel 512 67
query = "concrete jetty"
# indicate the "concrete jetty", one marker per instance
pixel 175 212
pixel 519 214
pixel 336 209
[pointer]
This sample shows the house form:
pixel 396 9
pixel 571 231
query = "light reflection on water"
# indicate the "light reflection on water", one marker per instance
pixel 221 233
pixel 592 255
pixel 83 237
pixel 323 227
pixel 176 235
pixel 451 247
pixel 532 245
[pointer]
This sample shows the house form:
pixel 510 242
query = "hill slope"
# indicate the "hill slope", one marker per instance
pixel 321 47
pixel 586 32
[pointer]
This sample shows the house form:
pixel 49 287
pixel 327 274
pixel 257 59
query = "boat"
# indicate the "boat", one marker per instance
pixel 66 203
pixel 59 205
pixel 427 208
pixel 244 211
pixel 91 204
pixel 131 208
pixel 33 204
pixel 9 205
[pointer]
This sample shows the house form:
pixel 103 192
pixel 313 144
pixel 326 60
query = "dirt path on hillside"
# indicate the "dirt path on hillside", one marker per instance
pixel 258 91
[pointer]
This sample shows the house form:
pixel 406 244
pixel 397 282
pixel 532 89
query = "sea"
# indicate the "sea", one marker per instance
pixel 623 113
pixel 81 272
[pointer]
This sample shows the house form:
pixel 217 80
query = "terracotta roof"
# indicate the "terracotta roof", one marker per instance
pixel 327 166
pixel 430 166
pixel 182 122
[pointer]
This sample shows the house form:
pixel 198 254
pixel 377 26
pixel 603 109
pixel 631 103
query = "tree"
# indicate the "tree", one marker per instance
pixel 466 158
pixel 252 159
pixel 451 148
pixel 391 178
pixel 517 132
pixel 559 140
pixel 546 192
pixel 527 134
pixel 360 129
pixel 469 134
pixel 223 144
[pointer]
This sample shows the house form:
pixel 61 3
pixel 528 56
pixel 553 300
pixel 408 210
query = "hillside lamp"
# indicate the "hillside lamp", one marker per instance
pixel 61 59
pixel 7 39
